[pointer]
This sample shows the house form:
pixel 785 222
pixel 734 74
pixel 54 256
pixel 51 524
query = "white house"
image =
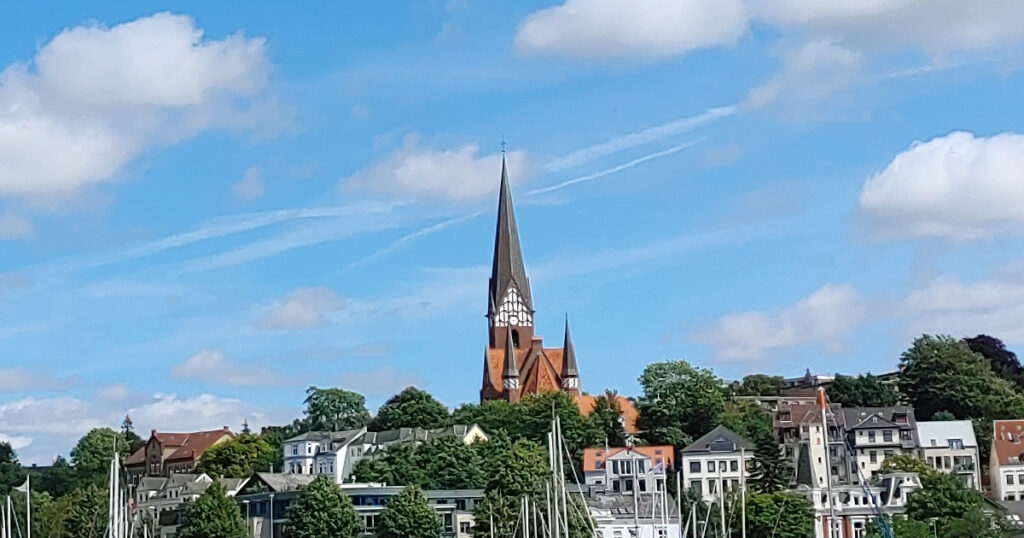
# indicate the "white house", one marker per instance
pixel 619 469
pixel 875 433
pixel 336 453
pixel 1006 461
pixel 716 462
pixel 949 446
pixel 613 516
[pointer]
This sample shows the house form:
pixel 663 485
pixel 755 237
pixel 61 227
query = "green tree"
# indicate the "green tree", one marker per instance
pixel 943 415
pixel 901 527
pixel 275 436
pixel 399 465
pixel 1002 361
pixel 335 409
pixel 944 497
pixel 11 474
pixel 772 472
pixel 86 512
pixel 606 419
pixel 861 391
pixel 212 515
pixel 322 510
pixel 680 402
pixel 408 515
pixel 905 463
pixel 759 385
pixel 411 408
pixel 778 514
pixel 239 457
pixel 57 479
pixel 91 457
pixel 449 463
pixel 578 432
pixel 492 416
pixel 747 419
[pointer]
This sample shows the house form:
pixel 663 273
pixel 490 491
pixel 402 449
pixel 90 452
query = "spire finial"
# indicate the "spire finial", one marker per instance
pixel 503 145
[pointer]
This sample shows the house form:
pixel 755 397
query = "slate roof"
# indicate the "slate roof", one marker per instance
pixel 707 443
pixel 507 268
pixel 285 481
pixel 862 417
pixel 937 433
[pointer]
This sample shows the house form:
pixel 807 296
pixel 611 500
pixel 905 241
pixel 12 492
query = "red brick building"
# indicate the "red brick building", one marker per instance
pixel 168 453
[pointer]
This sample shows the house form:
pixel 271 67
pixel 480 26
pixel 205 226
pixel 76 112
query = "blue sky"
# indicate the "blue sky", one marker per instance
pixel 204 210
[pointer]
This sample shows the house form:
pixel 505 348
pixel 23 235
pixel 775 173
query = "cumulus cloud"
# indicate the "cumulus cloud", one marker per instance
pixel 251 185
pixel 955 187
pixel 823 319
pixel 23 380
pixel 643 28
pixel 212 366
pixel 950 305
pixel 14 226
pixel 457 174
pixel 303 308
pixel 93 98
pixel 379 381
pixel 46 427
pixel 603 29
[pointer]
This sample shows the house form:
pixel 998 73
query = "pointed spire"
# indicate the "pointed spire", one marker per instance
pixel 507 268
pixel 568 354
pixel 511 369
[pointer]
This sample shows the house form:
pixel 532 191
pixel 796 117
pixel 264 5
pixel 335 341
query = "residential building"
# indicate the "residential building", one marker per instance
pixel 717 462
pixel 167 453
pixel 949 446
pixel 336 453
pixel 516 363
pixel 265 499
pixel 158 499
pixel 856 506
pixel 1006 460
pixel 874 434
pixel 627 469
pixel 613 516
pixel 798 428
pixel 808 380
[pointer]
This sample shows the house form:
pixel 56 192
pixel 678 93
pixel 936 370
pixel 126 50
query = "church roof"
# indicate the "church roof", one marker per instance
pixel 536 374
pixel 508 256
pixel 569 352
pixel 511 368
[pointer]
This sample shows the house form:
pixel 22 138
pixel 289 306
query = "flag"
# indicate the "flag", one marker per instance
pixel 24 487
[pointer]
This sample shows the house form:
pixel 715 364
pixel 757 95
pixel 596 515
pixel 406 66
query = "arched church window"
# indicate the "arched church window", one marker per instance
pixel 515 338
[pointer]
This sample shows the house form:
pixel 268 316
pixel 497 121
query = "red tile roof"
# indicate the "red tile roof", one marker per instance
pixel 594 458
pixel 1008 441
pixel 178 446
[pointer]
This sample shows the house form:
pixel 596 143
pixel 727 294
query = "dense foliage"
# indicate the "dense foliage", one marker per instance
pixel 679 402
pixel 239 457
pixel 861 391
pixel 212 515
pixel 778 514
pixel 91 456
pixel 322 510
pixel 408 515
pixel 335 409
pixel 758 385
pixel 411 408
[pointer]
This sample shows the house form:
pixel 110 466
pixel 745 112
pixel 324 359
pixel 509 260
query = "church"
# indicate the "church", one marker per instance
pixel 516 363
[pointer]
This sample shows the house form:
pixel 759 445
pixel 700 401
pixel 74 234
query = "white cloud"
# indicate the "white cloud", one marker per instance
pixel 211 366
pixel 17 443
pixel 24 380
pixel 14 226
pixel 598 29
pixel 379 381
pixel 53 425
pixel 949 305
pixel 303 308
pixel 458 174
pixel 823 318
pixel 93 98
pixel 955 187
pixel 251 185
pixel 812 71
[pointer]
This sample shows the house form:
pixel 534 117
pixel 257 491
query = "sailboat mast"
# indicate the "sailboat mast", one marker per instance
pixel 743 493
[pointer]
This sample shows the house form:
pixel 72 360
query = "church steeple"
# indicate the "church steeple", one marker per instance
pixel 510 374
pixel 570 374
pixel 509 302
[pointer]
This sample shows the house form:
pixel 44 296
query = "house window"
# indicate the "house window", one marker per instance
pixel 712 487
pixel 888 453
pixel 784 416
pixel 873 456
pixel 1009 480
pixel 871 436
pixel 956 444
pixel 694 466
pixel 887 436
pixel 615 467
pixel 931 462
pixel 711 466
pixel 721 466
pixel 734 466
pixel 695 485
pixel 643 484
pixel 464 527
pixel 905 435
pixel 295 450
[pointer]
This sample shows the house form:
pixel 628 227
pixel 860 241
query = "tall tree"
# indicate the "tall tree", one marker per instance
pixel 57 479
pixel 680 402
pixel 411 408
pixel 212 515
pixel 322 510
pixel 86 515
pixel 942 496
pixel 92 454
pixel 239 457
pixel 335 409
pixel 759 385
pixel 606 419
pixel 902 527
pixel 772 472
pixel 11 474
pixel 906 463
pixel 449 463
pixel 408 515
pixel 862 391
pixel 778 514
pixel 746 418
pixel 1004 363
pixel 128 430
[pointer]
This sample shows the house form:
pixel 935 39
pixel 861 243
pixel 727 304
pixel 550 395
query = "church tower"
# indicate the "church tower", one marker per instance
pixel 515 362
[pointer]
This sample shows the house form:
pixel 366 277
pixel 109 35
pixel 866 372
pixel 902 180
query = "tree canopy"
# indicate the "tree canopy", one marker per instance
pixel 91 456
pixel 11 474
pixel 772 472
pixel 410 408
pixel 322 510
pixel 408 515
pixel 862 391
pixel 212 515
pixel 758 385
pixel 335 409
pixel 679 402
pixel 1002 361
pixel 779 514
pixel 239 457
